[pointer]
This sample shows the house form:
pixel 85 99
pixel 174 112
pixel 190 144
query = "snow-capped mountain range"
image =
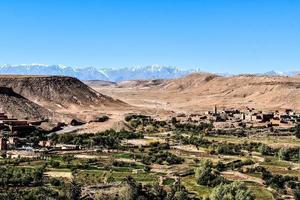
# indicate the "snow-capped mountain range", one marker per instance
pixel 279 73
pixel 109 74
pixel 91 73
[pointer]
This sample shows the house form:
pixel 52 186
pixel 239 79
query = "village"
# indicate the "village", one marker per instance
pixel 14 134
pixel 250 117
pixel 14 142
pixel 240 145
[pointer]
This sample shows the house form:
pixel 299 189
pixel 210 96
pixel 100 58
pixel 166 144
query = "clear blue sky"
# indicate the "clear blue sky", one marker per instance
pixel 213 35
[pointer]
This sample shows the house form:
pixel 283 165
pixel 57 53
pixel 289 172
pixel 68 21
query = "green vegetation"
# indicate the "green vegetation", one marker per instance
pixel 297 193
pixel 234 191
pixel 158 156
pixel 205 175
pixel 190 183
pixel 21 176
pixel 260 192
pixel 297 131
pixel 102 118
pixel 192 160
pixel 289 154
pixel 168 181
pixel 108 139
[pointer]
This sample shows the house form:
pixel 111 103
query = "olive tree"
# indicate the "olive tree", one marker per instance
pixel 233 191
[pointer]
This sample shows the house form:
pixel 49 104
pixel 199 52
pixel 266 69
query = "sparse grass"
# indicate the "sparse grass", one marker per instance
pixel 59 169
pixel 260 192
pixel 92 177
pixel 192 186
pixel 256 175
pixel 123 155
pixel 271 161
pixel 269 140
pixel 61 174
pixel 34 163
pixel 282 170
pixel 140 177
pixel 168 181
pixel 223 138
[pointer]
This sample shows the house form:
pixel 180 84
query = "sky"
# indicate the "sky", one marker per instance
pixel 235 36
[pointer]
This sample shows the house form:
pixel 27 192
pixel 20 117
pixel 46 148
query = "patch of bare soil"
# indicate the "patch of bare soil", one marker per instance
pixel 238 176
pixel 59 174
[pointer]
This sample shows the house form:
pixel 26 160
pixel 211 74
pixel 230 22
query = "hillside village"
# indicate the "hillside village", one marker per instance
pixel 150 100
pixel 224 119
pixel 251 117
pixel 106 153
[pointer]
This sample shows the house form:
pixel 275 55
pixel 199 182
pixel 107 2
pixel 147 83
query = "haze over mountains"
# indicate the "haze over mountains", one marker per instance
pixel 114 75
pixel 91 73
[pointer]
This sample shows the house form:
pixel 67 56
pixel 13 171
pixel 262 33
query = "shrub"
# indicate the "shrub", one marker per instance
pixel 54 164
pixel 233 191
pixel 102 118
pixel 297 193
pixel 55 182
pixel 157 156
pixel 265 150
pixel 205 175
pixel 283 154
pixel 297 131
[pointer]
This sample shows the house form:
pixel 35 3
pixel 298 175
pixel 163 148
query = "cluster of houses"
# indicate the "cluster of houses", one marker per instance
pixel 13 136
pixel 12 127
pixel 49 144
pixel 249 117
pixel 252 116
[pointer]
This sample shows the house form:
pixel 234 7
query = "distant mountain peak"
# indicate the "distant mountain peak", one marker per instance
pixel 92 73
pixel 114 74
pixel 279 73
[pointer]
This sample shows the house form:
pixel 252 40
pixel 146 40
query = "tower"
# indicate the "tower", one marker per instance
pixel 215 109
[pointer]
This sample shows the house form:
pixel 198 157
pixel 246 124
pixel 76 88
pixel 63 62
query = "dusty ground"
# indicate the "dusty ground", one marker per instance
pixel 200 92
pixel 61 174
pixel 235 175
pixel 116 117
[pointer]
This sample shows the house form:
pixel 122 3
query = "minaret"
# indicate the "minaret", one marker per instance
pixel 215 110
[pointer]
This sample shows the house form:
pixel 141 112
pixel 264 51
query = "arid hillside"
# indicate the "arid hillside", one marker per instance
pixel 141 83
pixel 99 83
pixel 201 91
pixel 19 107
pixel 239 91
pixel 56 91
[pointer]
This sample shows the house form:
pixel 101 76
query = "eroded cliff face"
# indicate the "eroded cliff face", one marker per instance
pixel 17 106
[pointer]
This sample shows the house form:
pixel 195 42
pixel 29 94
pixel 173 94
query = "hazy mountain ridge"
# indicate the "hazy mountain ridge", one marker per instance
pixel 279 73
pixel 115 75
pixel 91 73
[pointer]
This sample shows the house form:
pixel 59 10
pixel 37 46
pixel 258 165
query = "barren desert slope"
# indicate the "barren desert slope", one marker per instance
pixel 36 97
pixel 201 91
pixel 16 105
